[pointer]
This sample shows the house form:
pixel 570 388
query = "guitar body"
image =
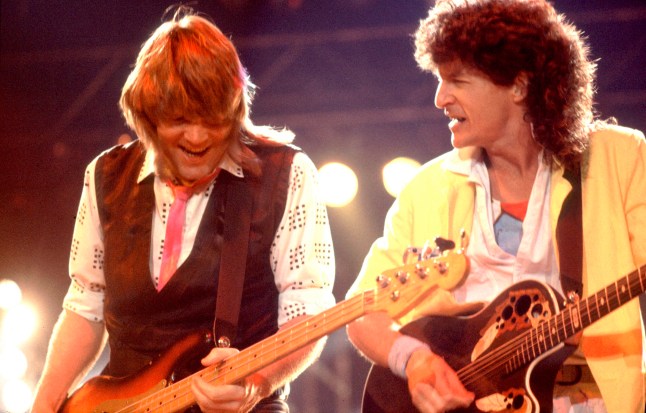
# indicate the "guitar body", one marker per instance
pixel 110 394
pixel 471 344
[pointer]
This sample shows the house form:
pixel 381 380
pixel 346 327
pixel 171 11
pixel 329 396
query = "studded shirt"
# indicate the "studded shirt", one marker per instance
pixel 301 255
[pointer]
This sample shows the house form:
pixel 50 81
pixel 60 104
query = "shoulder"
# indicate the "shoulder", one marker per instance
pixel 273 150
pixel 449 168
pixel 120 160
pixel 615 147
pixel 616 135
pixel 131 149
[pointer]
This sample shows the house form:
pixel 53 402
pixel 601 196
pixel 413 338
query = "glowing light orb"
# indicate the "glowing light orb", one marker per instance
pixel 338 184
pixel 397 173
pixel 13 362
pixel 17 396
pixel 10 294
pixel 18 324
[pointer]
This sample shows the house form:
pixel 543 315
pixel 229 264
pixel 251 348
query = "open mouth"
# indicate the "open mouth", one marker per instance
pixel 456 120
pixel 194 152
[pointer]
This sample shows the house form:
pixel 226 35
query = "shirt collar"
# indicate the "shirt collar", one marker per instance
pixel 226 163
pixel 461 161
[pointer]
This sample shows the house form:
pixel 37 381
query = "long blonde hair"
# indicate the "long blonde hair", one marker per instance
pixel 189 69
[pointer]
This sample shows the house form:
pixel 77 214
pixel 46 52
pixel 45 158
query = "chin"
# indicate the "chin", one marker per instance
pixel 456 143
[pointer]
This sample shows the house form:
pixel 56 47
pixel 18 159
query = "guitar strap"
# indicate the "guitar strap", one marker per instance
pixel 233 261
pixel 569 237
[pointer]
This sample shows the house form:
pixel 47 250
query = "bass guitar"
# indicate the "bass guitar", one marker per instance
pixel 510 351
pixel 159 388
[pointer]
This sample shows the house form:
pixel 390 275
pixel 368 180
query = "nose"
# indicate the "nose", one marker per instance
pixel 442 95
pixel 195 133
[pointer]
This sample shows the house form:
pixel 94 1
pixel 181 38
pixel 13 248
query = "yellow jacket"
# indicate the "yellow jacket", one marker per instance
pixel 438 202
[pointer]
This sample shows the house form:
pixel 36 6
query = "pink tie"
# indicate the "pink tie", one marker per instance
pixel 176 217
pixel 173 240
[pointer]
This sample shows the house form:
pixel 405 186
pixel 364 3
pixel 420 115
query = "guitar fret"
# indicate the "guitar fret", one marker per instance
pixel 534 344
pixel 516 360
pixel 635 284
pixel 551 331
pixel 526 356
pixel 602 302
pixel 623 291
pixel 544 329
pixel 560 327
pixel 613 297
pixel 586 312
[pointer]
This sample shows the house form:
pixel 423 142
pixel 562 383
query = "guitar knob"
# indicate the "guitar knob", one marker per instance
pixel 402 276
pixel 421 271
pixel 383 281
pixel 442 267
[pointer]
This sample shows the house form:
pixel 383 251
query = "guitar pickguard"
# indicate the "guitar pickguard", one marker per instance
pixel 519 310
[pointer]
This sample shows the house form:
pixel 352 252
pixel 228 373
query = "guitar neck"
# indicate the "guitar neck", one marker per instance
pixel 399 289
pixel 287 341
pixel 575 317
pixel 580 314
pixel 179 396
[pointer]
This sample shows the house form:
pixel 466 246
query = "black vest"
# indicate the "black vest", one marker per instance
pixel 142 322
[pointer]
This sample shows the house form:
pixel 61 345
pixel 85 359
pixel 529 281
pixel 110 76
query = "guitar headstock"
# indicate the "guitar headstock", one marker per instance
pixel 400 289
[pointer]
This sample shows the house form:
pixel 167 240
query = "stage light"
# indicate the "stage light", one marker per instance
pixel 397 173
pixel 18 324
pixel 13 362
pixel 17 396
pixel 338 184
pixel 10 294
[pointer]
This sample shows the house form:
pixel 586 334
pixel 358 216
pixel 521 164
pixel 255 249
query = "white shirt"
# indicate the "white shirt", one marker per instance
pixel 491 268
pixel 301 256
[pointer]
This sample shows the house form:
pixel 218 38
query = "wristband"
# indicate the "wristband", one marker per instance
pixel 400 353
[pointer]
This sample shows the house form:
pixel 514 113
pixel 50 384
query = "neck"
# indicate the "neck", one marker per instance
pixel 512 173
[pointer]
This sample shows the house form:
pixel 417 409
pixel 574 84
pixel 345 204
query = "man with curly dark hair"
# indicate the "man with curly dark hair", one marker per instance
pixel 517 83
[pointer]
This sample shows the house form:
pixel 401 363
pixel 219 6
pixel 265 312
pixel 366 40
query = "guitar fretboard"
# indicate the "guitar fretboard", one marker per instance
pixel 235 368
pixel 578 315
pixel 575 316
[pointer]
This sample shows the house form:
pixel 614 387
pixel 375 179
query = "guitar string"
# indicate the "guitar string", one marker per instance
pixel 243 359
pixel 497 350
pixel 495 359
pixel 498 357
pixel 179 386
pixel 337 316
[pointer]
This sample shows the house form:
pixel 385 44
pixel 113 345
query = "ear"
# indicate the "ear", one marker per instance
pixel 519 88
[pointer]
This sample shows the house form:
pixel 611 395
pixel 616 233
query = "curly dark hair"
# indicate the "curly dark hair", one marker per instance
pixel 503 38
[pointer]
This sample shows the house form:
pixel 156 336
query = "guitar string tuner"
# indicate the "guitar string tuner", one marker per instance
pixel 383 281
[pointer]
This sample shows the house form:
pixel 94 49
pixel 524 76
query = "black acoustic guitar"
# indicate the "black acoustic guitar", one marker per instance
pixel 160 387
pixel 509 352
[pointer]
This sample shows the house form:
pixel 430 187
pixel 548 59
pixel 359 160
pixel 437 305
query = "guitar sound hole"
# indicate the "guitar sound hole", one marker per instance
pixel 518 402
pixel 507 312
pixel 537 311
pixel 523 304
